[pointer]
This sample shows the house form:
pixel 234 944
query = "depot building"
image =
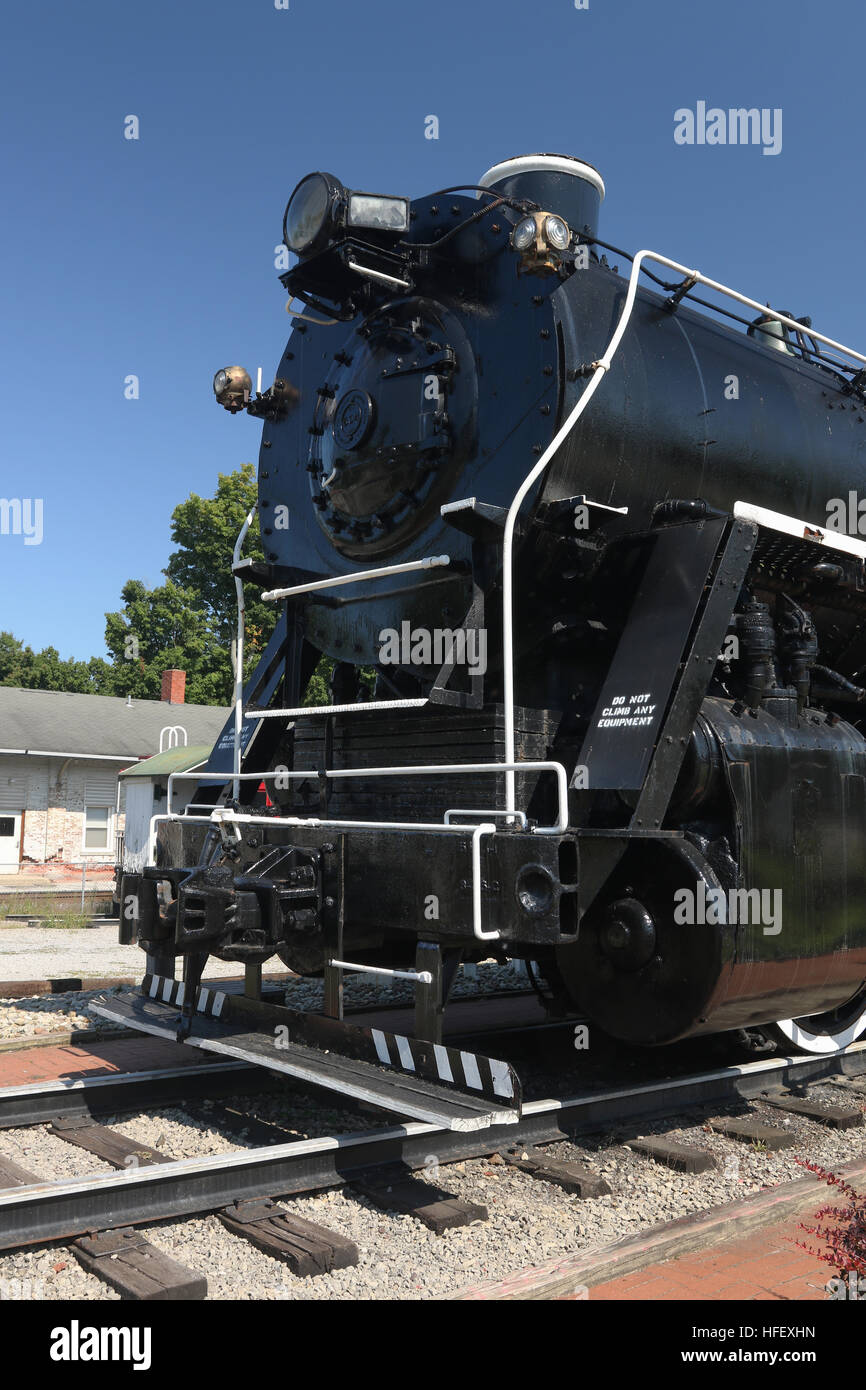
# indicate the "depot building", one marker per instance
pixel 61 797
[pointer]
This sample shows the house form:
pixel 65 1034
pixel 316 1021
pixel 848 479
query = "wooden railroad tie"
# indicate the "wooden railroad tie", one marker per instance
pixel 13 1175
pixel 106 1144
pixel 395 1189
pixel 128 1263
pixel 307 1248
pixel 236 1122
pixel 573 1177
pixel 681 1157
pixel 852 1087
pixel 122 1258
pixel 751 1131
pixel 823 1113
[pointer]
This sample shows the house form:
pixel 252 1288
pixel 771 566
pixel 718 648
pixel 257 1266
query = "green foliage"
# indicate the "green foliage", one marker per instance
pixel 162 628
pixel 317 691
pixel 189 622
pixel 205 529
pixel 46 670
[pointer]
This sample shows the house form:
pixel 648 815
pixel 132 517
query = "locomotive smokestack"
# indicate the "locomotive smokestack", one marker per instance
pixel 557 182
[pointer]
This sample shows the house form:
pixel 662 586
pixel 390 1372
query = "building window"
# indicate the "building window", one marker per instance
pixel 96 826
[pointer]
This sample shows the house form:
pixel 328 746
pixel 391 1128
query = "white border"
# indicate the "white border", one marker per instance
pixel 820 1043
pixel 541 164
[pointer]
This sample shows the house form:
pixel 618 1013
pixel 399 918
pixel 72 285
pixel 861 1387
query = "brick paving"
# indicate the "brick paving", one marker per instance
pixel 93 1059
pixel 766 1265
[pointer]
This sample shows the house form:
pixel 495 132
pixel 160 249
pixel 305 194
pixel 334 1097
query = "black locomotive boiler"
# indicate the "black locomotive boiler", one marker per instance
pixel 617 729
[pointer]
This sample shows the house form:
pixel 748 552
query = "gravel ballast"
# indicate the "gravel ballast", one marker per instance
pixel 530 1221
pixel 42 1014
pixel 46 953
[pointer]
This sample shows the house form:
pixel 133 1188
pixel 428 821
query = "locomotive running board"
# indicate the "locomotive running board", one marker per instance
pixel 403 1075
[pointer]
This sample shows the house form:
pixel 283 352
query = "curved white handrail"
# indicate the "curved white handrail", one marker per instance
pixel 239 655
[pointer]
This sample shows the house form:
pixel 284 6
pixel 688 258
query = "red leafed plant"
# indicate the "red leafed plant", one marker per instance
pixel 842 1229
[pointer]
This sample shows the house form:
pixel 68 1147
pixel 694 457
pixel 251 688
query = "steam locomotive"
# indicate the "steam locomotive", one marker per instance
pixel 597 641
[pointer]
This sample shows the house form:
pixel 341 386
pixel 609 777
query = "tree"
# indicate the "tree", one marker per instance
pixel 162 628
pixel 21 666
pixel 191 621
pixel 205 529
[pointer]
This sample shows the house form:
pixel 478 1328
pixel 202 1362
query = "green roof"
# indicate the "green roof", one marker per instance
pixel 172 760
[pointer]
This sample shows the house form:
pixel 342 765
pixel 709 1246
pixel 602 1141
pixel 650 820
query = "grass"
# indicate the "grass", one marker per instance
pixel 57 916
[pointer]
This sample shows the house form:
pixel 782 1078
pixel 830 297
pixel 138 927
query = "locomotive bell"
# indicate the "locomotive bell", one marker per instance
pixel 566 187
pixel 771 332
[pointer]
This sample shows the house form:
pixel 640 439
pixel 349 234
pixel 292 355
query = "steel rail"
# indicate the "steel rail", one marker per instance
pixel 37 1102
pixel 59 1210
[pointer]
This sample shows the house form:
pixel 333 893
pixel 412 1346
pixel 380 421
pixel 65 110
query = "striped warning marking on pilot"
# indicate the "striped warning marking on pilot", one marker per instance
pixel 448 1064
pixel 207 1001
pixel 430 1061
pixel 443 1066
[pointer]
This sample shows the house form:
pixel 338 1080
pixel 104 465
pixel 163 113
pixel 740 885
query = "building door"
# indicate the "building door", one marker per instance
pixel 10 841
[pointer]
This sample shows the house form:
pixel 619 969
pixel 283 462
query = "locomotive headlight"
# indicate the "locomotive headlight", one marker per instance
pixel 312 212
pixel 320 210
pixel 523 235
pixel 377 212
pixel 232 387
pixel 556 232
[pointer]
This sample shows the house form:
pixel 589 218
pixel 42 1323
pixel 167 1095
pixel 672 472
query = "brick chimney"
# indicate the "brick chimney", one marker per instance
pixel 173 687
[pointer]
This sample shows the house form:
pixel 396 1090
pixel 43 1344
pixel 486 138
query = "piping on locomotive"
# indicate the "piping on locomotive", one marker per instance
pixel 655 788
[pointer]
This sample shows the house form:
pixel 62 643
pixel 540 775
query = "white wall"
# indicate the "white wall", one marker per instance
pixel 140 806
pixel 53 794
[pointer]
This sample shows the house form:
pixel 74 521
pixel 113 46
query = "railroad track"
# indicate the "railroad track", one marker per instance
pixel 377 1163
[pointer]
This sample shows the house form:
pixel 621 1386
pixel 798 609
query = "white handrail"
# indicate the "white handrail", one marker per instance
pixel 414 770
pixel 361 707
pixel 239 656
pixel 422 977
pixel 477 930
pixel 600 367
pixel 519 816
pixel 431 562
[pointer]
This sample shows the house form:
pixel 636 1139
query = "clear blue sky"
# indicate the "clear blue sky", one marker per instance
pixel 155 257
